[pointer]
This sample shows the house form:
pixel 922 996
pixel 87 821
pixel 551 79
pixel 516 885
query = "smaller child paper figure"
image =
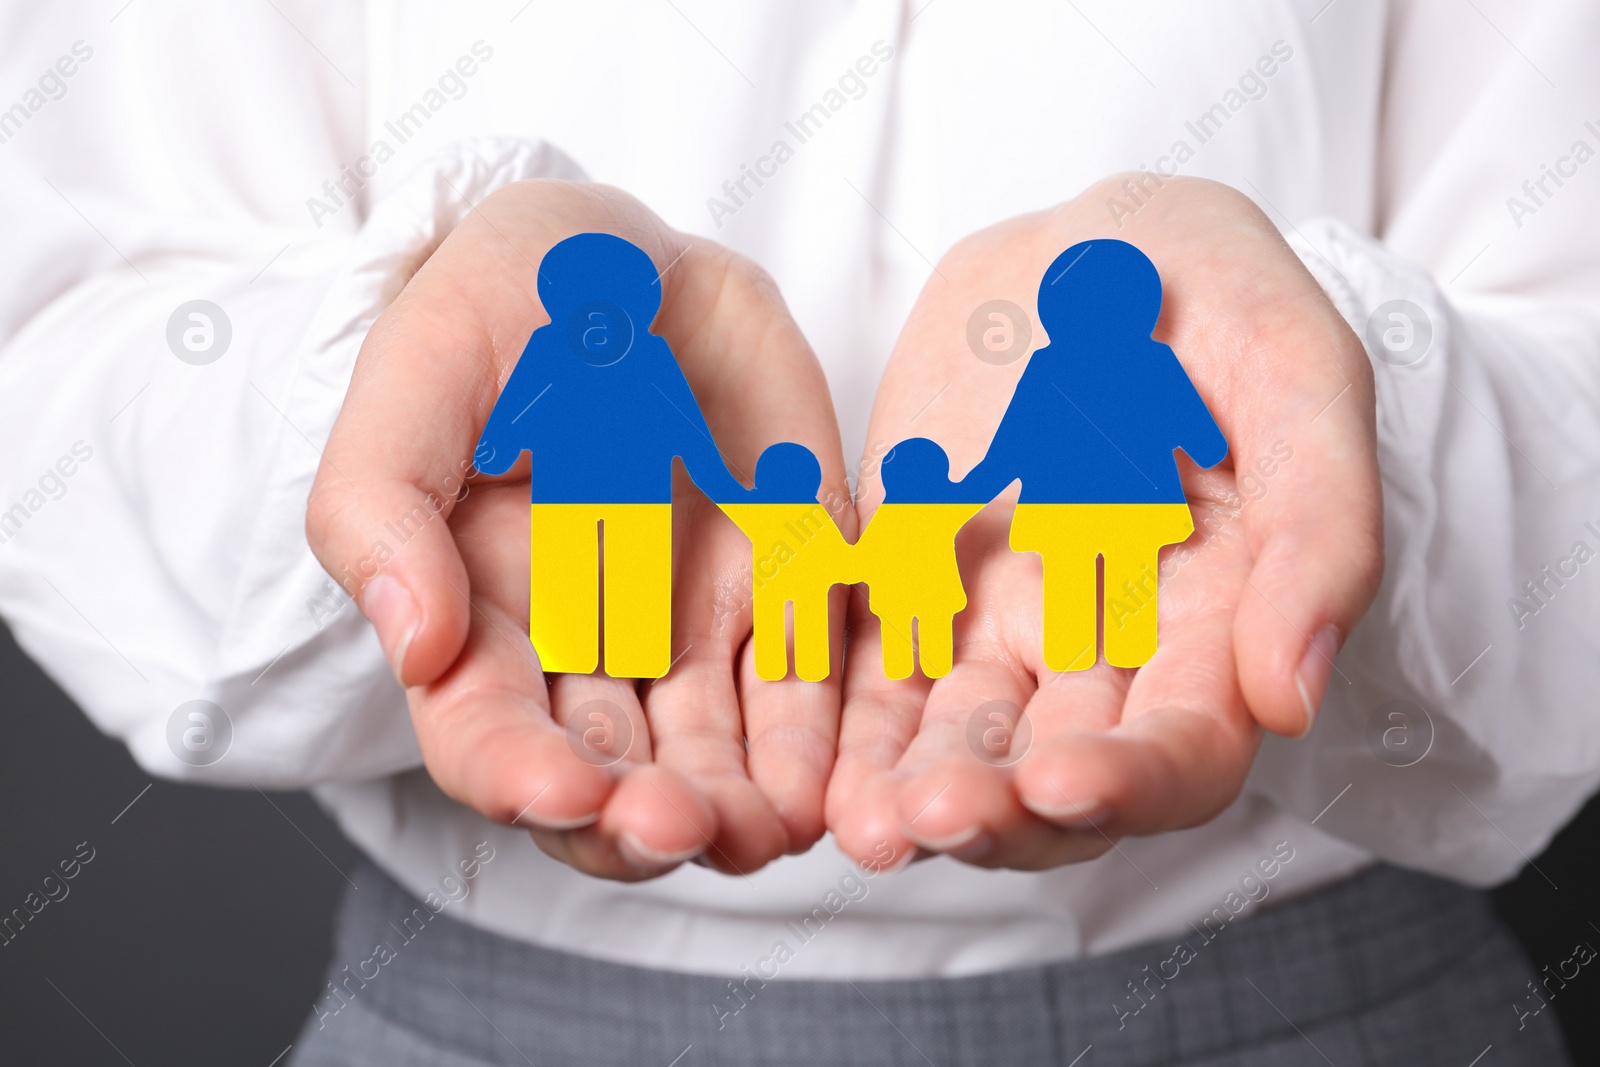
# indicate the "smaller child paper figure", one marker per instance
pixel 1090 432
pixel 908 557
pixel 798 556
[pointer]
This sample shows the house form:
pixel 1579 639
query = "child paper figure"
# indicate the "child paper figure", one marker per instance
pixel 907 556
pixel 797 556
pixel 603 408
pixel 1091 431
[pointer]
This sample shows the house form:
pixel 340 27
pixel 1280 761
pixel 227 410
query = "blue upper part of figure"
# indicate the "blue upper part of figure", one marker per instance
pixel 917 471
pixel 1097 414
pixel 597 399
pixel 786 473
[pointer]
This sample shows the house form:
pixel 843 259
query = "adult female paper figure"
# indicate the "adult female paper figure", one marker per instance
pixel 1091 431
pixel 603 408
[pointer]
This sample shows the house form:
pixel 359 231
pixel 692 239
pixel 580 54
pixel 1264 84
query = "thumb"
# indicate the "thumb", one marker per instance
pixel 394 468
pixel 1312 507
pixel 386 540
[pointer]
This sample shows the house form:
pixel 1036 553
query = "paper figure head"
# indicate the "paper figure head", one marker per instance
pixel 916 470
pixel 589 267
pixel 787 472
pixel 1100 287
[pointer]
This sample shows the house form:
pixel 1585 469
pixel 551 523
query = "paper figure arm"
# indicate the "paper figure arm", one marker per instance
pixel 1197 432
pixel 507 434
pixel 692 441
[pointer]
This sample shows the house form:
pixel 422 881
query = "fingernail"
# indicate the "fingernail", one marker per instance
pixel 1316 666
pixel 531 822
pixel 1082 815
pixel 642 857
pixel 873 868
pixel 976 849
pixel 958 843
pixel 393 612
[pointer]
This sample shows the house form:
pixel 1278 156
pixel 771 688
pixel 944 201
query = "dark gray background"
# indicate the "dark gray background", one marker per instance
pixel 198 933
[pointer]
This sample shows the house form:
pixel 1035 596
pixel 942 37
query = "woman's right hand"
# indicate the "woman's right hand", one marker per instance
pixel 451 605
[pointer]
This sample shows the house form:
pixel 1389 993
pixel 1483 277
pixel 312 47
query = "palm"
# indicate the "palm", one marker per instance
pixel 934 764
pixel 1167 745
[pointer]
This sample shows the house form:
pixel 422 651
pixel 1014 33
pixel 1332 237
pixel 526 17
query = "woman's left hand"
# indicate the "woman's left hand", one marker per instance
pixel 1252 607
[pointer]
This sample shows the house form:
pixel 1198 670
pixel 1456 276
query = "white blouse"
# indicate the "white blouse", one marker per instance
pixel 286 163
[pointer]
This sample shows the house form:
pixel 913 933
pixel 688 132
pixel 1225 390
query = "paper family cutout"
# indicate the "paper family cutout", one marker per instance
pixel 602 406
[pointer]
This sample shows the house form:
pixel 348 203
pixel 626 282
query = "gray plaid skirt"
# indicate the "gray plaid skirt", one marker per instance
pixel 1390 967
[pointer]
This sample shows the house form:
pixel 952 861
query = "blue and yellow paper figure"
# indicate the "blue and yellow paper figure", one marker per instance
pixel 798 556
pixel 603 407
pixel 908 557
pixel 1090 431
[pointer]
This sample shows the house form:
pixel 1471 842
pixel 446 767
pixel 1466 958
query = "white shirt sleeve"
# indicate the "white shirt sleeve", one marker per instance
pixel 1459 731
pixel 152 546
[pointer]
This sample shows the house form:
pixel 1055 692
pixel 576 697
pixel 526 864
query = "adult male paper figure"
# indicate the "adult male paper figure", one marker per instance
pixel 1091 431
pixel 602 406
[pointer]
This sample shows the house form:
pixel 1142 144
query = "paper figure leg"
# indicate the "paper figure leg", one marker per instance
pixel 894 628
pixel 638 589
pixel 1135 534
pixel 811 638
pixel 564 592
pixel 935 645
pixel 771 637
pixel 1068 547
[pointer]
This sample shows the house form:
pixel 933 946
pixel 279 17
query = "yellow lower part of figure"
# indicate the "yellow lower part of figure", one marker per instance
pixel 565 597
pixel 797 556
pixel 907 557
pixel 1069 537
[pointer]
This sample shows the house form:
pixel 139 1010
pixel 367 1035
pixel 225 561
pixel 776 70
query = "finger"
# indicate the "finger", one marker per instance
pixel 489 742
pixel 653 822
pixel 955 796
pixel 602 716
pixel 695 709
pixel 1065 705
pixel 1316 531
pixel 1186 739
pixel 1318 562
pixel 759 383
pixel 484 726
pixel 1304 433
pixel 879 720
pixel 400 451
pixel 792 728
